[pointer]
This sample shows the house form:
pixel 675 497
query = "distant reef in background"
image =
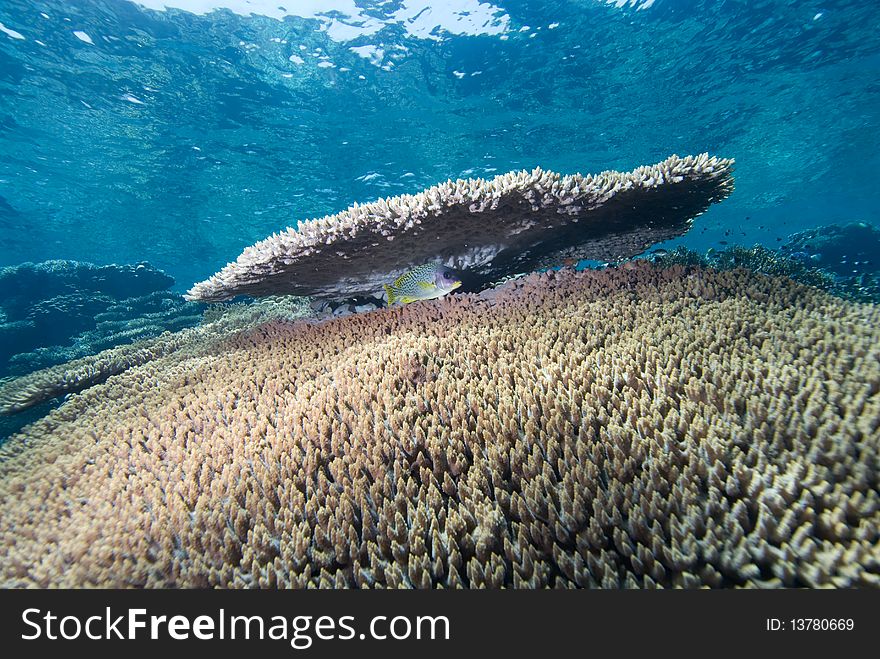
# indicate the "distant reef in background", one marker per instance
pixel 843 260
pixel 55 311
pixel 846 250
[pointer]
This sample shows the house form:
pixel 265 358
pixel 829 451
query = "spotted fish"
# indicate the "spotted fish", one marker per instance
pixel 423 283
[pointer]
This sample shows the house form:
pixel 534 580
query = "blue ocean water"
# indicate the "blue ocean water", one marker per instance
pixel 132 132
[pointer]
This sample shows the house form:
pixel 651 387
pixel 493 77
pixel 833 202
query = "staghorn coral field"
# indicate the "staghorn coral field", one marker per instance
pixel 633 427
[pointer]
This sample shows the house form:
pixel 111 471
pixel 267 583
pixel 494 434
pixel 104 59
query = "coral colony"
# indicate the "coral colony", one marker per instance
pixel 658 423
pixel 514 223
pixel 635 426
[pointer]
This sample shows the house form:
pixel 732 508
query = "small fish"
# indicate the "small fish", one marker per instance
pixel 424 283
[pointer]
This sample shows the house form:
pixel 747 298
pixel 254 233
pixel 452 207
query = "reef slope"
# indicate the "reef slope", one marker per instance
pixel 634 427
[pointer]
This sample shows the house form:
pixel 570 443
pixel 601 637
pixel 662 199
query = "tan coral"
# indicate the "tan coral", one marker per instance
pixel 514 223
pixel 628 428
pixel 21 393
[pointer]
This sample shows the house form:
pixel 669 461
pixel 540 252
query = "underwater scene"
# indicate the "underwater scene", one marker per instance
pixel 439 294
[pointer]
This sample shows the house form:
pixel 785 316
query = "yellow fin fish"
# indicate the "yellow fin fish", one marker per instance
pixel 423 283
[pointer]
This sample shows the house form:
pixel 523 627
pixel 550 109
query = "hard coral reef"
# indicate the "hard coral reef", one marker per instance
pixel 631 427
pixel 25 392
pixel 757 259
pixel 845 250
pixel 849 252
pixel 516 222
pixel 56 311
pixel 862 288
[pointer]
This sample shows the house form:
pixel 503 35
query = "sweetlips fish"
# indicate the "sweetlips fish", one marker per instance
pixel 423 283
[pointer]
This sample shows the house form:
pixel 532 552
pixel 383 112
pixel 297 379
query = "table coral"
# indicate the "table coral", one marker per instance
pixel 516 222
